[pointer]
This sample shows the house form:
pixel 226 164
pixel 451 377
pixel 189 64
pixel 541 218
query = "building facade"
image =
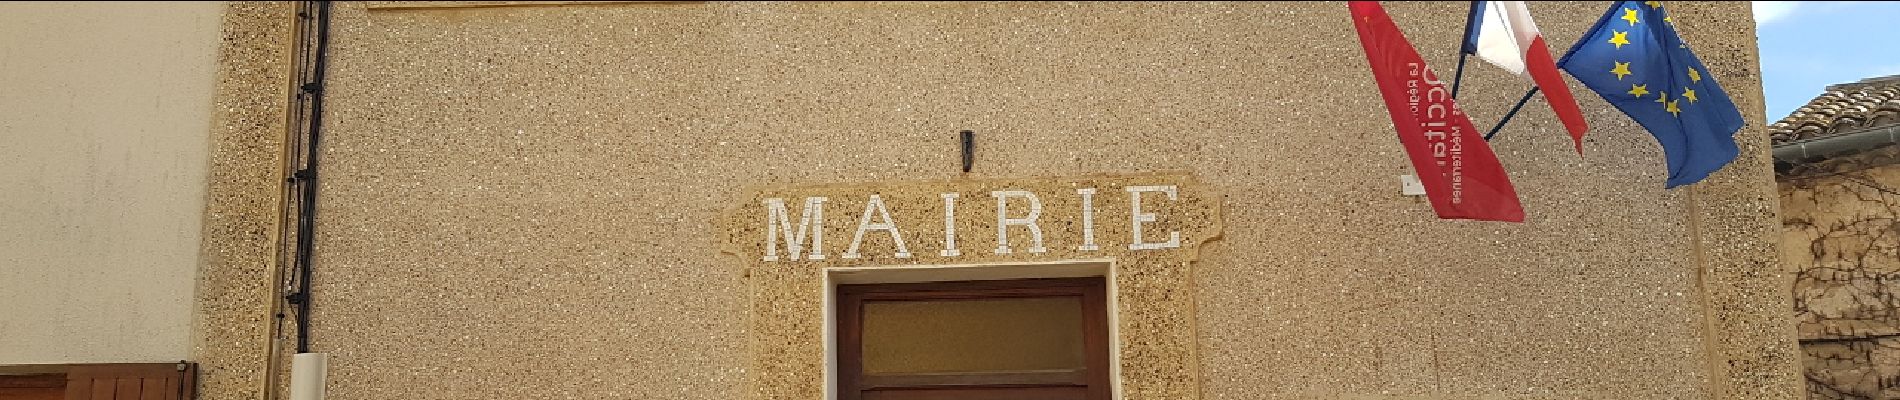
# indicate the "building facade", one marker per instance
pixel 690 200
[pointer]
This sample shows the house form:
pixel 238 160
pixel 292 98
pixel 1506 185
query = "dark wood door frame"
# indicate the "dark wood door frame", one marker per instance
pixel 1090 383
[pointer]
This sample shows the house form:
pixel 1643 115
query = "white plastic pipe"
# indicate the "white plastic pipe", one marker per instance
pixel 308 371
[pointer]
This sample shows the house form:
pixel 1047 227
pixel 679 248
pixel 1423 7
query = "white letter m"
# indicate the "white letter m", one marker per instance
pixel 813 223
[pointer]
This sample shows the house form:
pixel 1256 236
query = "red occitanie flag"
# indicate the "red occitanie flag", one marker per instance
pixel 1462 176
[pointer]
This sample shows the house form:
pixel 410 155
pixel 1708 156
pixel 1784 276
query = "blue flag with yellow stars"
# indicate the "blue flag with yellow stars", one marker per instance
pixel 1633 58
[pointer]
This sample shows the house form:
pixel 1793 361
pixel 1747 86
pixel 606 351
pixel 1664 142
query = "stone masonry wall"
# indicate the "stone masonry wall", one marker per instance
pixel 1842 242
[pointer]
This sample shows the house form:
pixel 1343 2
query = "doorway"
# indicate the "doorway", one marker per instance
pixel 1013 339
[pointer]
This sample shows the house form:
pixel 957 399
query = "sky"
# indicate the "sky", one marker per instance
pixel 1807 45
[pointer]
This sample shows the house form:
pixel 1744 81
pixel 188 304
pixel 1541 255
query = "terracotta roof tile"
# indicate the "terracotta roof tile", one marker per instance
pixel 1845 108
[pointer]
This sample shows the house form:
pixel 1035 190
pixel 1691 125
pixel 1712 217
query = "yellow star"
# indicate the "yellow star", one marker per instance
pixel 1668 19
pixel 1668 105
pixel 1694 76
pixel 1688 93
pixel 1653 4
pixel 1622 69
pixel 1629 14
pixel 1619 39
pixel 1639 90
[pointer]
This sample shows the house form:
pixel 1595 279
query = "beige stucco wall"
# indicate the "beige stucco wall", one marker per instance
pixel 520 201
pixel 104 118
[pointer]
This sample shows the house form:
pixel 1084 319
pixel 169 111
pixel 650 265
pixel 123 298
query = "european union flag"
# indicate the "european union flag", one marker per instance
pixel 1633 58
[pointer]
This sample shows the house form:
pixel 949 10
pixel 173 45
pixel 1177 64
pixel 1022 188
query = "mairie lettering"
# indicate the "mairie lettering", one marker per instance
pixel 1018 214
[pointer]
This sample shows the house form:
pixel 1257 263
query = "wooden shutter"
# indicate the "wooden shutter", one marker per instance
pixel 32 386
pixel 131 382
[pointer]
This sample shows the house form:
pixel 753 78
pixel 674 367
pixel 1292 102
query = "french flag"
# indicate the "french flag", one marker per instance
pixel 1502 33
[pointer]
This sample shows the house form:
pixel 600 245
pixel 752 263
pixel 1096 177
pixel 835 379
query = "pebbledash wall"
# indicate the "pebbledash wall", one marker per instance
pixel 571 200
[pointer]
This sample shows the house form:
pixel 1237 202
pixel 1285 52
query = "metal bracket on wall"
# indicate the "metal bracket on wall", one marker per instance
pixel 967 139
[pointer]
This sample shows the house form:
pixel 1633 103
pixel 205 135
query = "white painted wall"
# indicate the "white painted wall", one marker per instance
pixel 105 112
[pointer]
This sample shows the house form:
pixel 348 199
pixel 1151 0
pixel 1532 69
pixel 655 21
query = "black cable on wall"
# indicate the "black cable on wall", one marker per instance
pixel 305 178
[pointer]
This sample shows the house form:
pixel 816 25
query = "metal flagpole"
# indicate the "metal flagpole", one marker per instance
pixel 1508 115
pixel 1464 49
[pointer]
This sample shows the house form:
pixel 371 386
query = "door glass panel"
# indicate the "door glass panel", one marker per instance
pixel 1001 334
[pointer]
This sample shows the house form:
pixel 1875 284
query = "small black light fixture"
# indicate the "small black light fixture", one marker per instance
pixel 968 139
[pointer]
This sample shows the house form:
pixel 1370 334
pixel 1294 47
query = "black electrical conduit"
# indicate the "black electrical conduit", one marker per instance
pixel 306 180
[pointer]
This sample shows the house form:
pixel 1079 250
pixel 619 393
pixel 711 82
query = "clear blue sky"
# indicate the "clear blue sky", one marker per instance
pixel 1807 45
